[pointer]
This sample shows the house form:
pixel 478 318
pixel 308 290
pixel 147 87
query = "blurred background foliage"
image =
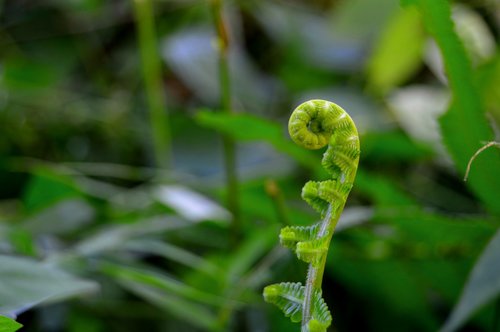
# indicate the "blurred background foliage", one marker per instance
pixel 113 198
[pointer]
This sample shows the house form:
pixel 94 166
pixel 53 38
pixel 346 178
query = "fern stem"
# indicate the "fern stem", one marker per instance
pixel 225 101
pixel 313 125
pixel 314 278
pixel 151 73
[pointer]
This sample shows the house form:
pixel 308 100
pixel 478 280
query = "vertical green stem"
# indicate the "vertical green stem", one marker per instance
pixel 151 73
pixel 315 274
pixel 228 142
pixel 314 278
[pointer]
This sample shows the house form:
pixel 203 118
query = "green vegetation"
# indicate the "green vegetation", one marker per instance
pixel 313 125
pixel 146 172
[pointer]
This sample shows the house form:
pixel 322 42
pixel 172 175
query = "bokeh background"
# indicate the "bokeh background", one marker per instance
pixel 120 120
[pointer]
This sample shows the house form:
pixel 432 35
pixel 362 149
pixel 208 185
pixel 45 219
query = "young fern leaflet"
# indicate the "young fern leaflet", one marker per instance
pixel 313 125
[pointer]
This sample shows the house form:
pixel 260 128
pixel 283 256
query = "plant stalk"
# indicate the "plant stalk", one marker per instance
pixel 151 73
pixel 228 142
pixel 315 274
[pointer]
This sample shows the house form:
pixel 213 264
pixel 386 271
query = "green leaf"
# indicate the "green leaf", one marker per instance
pixel 464 126
pixel 289 297
pixel 46 188
pixel 243 259
pixel 392 64
pixel 392 146
pixel 488 77
pixel 482 287
pixel 174 253
pixel 236 125
pixel 63 217
pixel 24 74
pixel 382 190
pixel 160 281
pixel 169 294
pixel 195 314
pixel 405 3
pixel 116 236
pixel 9 325
pixel 26 283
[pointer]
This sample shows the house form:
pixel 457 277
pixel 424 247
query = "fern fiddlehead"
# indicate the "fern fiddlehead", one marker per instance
pixel 313 125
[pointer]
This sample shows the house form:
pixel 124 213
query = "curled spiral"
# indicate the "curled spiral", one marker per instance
pixel 313 125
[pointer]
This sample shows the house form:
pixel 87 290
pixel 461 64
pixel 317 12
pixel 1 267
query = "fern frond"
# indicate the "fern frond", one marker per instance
pixel 341 158
pixel 321 317
pixel 312 125
pixel 312 251
pixel 291 235
pixel 289 297
pixel 304 241
pixel 321 194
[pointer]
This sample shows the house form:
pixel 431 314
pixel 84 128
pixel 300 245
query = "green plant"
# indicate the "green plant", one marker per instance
pixel 223 45
pixel 312 125
pixel 152 76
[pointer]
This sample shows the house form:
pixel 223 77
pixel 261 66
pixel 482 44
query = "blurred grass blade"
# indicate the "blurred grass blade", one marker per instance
pixel 8 325
pixel 110 238
pixel 151 72
pixel 391 64
pixel 166 292
pixel 64 217
pixel 161 282
pixel 464 127
pixel 194 314
pixel 223 46
pixel 190 204
pixel 236 125
pixel 26 283
pixel 46 188
pixel 483 286
pixel 174 253
pixel 254 247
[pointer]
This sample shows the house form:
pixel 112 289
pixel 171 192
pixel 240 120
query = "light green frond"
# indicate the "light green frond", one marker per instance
pixel 312 125
pixel 321 317
pixel 291 235
pixel 341 158
pixel 289 297
pixel 312 251
pixel 321 194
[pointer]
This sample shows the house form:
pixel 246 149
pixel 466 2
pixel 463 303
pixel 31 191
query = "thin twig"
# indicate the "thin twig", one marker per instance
pixel 488 145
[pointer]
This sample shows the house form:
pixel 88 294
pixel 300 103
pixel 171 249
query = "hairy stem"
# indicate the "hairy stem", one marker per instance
pixel 151 73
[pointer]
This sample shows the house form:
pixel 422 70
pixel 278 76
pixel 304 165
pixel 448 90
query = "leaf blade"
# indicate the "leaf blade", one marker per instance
pixel 464 126
pixel 9 325
pixel 483 285
pixel 26 283
pixel 289 298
